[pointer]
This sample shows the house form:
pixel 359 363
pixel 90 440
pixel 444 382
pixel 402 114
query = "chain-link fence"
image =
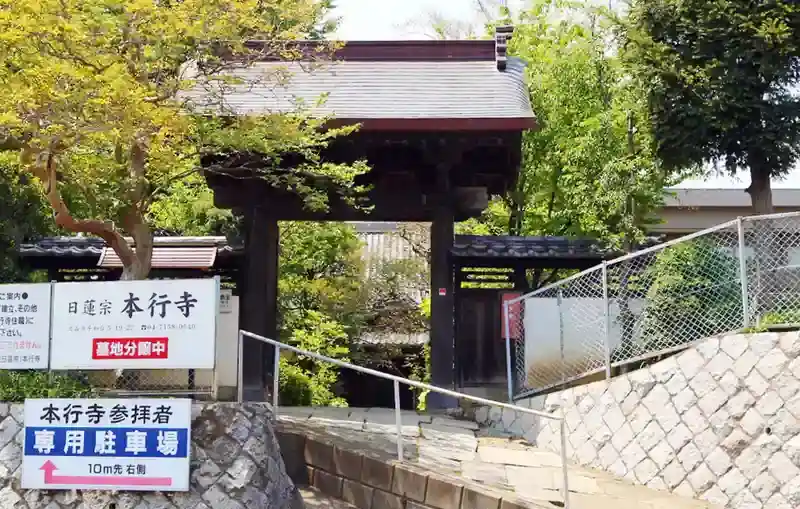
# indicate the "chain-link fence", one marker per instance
pixel 198 383
pixel 659 300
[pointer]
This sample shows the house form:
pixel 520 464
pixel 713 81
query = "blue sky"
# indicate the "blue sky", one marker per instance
pixel 390 20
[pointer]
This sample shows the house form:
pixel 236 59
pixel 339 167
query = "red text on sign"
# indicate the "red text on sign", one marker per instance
pixel 129 348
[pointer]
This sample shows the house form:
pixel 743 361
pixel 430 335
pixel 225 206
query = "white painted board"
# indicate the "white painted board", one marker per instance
pixel 107 444
pixel 24 326
pixel 153 324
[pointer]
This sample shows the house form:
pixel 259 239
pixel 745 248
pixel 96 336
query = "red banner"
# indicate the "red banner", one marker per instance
pixel 515 310
pixel 130 348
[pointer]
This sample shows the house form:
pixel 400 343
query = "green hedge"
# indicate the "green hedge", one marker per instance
pixel 16 386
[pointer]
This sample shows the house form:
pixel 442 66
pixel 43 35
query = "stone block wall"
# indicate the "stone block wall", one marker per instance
pixel 369 480
pixel 235 464
pixel 719 421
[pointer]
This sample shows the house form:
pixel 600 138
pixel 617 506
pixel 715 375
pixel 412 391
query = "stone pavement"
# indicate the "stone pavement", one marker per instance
pixel 314 499
pixel 460 448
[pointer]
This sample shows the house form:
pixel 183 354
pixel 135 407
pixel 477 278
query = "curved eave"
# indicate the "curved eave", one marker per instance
pixel 439 124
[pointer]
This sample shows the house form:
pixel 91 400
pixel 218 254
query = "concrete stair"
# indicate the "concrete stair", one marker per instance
pixel 350 454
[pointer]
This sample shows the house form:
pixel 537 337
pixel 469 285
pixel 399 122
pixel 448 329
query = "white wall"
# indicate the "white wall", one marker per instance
pixel 583 322
pixel 227 353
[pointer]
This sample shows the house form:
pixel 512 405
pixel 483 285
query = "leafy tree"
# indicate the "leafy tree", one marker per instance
pixel 187 207
pixel 96 105
pixel 692 291
pixel 23 215
pixel 589 169
pixel 722 79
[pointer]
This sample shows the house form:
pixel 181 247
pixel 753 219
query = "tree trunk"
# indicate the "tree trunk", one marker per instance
pixel 760 189
pixel 139 268
pixel 766 283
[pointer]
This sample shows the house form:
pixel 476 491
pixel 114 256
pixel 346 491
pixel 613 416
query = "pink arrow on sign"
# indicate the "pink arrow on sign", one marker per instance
pixel 50 478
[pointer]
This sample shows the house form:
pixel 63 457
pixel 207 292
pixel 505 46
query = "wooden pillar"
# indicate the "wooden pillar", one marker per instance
pixel 442 309
pixel 259 301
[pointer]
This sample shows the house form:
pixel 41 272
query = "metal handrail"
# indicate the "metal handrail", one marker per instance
pixel 397 381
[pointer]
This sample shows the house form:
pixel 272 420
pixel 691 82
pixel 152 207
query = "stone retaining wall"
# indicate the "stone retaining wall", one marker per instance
pixel 235 464
pixel 370 480
pixel 720 421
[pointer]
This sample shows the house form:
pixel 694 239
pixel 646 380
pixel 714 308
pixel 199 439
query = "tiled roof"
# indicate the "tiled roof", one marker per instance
pixel 476 246
pixel 83 247
pixel 187 257
pixel 64 247
pixel 553 248
pixel 367 88
pixel 382 242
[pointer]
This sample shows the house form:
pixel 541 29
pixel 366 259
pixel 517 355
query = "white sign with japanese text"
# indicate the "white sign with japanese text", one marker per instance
pixel 24 326
pixel 167 324
pixel 107 444
pixel 225 297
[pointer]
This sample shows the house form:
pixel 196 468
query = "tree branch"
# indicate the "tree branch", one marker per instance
pixel 44 167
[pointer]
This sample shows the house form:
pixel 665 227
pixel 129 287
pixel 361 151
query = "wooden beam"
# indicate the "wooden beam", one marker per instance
pixel 258 282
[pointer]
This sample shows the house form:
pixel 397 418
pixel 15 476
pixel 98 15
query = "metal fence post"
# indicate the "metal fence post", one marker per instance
pixel 607 321
pixel 509 373
pixel 559 305
pixel 743 272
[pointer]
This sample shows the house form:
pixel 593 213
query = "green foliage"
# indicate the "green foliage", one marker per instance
pixel 16 386
pixel 694 292
pixel 23 215
pixel 96 105
pixel 318 301
pixel 421 372
pixel 295 385
pixel 188 207
pixel 787 319
pixel 584 172
pixel 309 379
pixel 722 77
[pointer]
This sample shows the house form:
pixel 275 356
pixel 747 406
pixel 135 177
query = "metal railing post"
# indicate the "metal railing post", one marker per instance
pixel 240 369
pixel 398 420
pixel 743 272
pixel 607 321
pixel 509 374
pixel 276 378
pixel 564 468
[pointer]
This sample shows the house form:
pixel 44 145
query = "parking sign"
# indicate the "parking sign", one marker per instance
pixel 102 444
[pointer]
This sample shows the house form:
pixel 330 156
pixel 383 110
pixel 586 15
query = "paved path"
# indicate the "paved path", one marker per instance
pixel 314 499
pixel 460 448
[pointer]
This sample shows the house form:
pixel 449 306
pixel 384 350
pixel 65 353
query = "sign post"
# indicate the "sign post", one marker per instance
pixel 102 444
pixel 24 326
pixel 153 324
